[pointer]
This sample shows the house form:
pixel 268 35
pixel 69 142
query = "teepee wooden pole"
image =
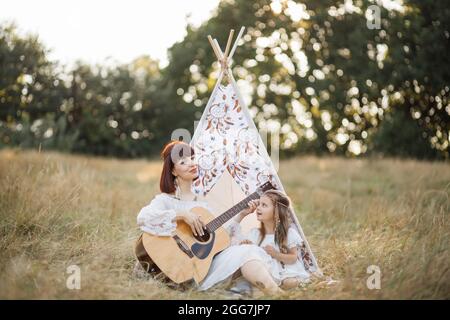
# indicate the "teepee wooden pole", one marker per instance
pixel 218 49
pixel 211 41
pixel 227 48
pixel 223 59
pixel 241 32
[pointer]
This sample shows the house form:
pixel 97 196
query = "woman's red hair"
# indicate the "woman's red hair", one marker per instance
pixel 169 154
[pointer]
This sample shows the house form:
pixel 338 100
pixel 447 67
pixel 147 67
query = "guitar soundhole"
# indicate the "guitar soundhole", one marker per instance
pixel 204 238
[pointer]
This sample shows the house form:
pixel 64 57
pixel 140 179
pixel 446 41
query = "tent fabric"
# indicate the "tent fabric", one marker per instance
pixel 231 161
pixel 228 143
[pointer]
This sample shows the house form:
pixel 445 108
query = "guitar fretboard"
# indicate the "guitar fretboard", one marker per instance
pixel 227 215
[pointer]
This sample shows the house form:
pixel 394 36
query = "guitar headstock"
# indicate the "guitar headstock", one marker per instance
pixel 264 187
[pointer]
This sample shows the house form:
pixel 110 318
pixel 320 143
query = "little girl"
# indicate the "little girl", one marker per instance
pixel 277 237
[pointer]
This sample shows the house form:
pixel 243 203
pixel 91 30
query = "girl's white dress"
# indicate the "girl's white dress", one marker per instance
pixel 157 218
pixel 279 270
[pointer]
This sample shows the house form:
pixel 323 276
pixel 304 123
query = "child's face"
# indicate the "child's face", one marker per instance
pixel 265 210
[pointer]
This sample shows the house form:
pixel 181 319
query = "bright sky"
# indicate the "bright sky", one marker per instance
pixel 92 30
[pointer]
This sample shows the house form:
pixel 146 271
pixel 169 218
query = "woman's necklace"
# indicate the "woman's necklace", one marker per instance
pixel 194 199
pixel 178 194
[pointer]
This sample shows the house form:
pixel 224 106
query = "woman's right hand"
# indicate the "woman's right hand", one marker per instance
pixel 194 221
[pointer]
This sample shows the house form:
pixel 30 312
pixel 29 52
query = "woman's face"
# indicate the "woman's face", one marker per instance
pixel 265 210
pixel 185 169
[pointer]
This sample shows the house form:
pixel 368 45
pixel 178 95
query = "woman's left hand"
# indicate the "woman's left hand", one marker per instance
pixel 270 251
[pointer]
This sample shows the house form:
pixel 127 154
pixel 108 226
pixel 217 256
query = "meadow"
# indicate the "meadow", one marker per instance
pixel 58 210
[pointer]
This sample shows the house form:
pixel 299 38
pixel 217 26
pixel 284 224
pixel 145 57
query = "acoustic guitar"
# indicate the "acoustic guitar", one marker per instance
pixel 183 256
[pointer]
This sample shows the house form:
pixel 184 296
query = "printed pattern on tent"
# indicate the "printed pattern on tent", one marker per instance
pixel 228 143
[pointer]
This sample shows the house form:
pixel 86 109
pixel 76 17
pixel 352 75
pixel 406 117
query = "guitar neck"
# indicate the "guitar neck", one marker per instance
pixel 227 215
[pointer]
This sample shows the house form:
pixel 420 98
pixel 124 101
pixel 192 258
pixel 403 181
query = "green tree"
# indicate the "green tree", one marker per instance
pixel 113 108
pixel 30 90
pixel 322 74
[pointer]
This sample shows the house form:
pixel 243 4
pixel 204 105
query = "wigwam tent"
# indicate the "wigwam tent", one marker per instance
pixel 232 160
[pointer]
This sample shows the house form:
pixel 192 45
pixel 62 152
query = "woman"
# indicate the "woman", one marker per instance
pixel 174 204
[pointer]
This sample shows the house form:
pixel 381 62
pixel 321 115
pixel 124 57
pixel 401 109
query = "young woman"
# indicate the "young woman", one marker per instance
pixel 173 204
pixel 278 238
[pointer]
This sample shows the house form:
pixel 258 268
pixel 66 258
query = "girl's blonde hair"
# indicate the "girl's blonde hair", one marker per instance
pixel 282 218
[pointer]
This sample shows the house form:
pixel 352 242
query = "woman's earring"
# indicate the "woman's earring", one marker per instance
pixel 177 189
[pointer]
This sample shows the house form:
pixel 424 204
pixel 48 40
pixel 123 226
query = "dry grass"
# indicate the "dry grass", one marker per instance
pixel 57 210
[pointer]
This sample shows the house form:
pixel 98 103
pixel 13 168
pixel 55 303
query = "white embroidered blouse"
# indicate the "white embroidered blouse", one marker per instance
pixel 158 216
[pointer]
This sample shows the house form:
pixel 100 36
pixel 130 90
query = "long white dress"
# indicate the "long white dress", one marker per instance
pixel 157 218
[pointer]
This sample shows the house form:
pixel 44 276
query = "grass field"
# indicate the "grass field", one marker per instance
pixel 57 210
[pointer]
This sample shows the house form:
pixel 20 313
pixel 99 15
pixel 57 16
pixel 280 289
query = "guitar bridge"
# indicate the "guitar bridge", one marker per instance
pixel 183 247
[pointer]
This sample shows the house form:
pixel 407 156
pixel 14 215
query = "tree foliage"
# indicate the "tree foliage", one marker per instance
pixel 315 71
